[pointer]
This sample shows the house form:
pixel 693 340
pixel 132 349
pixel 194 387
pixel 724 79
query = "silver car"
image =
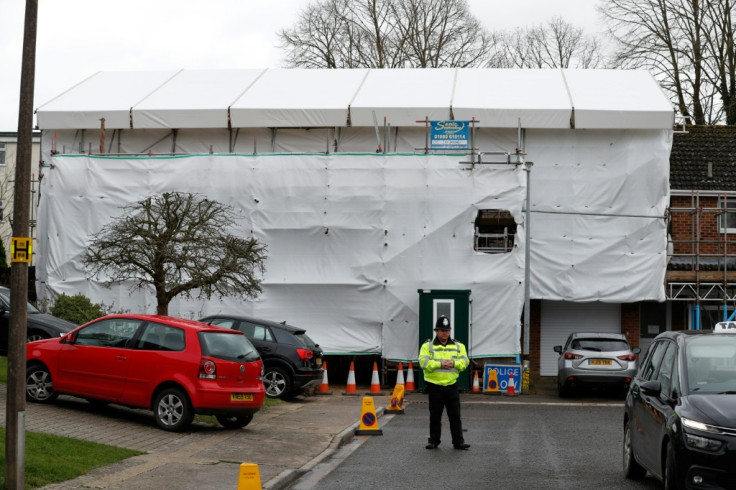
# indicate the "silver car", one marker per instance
pixel 595 360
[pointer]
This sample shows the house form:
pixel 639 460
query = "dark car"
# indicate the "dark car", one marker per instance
pixel 174 367
pixel 680 411
pixel 293 362
pixel 38 325
pixel 595 360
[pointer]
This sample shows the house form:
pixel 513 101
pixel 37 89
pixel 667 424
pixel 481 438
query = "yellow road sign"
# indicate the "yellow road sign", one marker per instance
pixel 21 249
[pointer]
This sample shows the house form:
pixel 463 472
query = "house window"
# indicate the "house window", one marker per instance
pixel 2 153
pixel 2 209
pixel 728 218
pixel 495 231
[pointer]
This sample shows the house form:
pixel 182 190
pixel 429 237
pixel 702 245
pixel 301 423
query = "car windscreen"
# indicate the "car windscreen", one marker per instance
pixel 298 338
pixel 5 295
pixel 231 347
pixel 599 345
pixel 711 364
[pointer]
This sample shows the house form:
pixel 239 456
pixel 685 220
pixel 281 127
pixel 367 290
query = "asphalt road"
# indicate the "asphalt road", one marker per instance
pixel 565 445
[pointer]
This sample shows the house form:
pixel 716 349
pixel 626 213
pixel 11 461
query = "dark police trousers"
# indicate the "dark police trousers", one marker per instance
pixel 441 397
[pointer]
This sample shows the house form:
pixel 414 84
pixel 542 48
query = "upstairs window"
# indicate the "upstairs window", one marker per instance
pixel 495 231
pixel 728 218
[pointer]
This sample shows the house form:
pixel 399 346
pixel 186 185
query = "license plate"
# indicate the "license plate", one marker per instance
pixel 318 361
pixel 600 362
pixel 241 397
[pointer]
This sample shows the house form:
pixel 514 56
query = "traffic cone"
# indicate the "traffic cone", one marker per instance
pixel 350 389
pixel 375 384
pixel 400 375
pixel 396 404
pixel 324 388
pixel 511 389
pixel 476 384
pixel 492 385
pixel 368 420
pixel 409 387
pixel 249 478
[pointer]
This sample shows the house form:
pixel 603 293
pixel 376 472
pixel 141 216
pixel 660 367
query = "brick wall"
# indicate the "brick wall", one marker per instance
pixel 630 323
pixel 684 226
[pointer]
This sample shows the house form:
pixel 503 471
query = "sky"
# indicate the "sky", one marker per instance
pixel 77 38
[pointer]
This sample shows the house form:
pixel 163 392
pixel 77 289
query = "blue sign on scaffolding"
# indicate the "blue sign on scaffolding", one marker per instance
pixel 449 135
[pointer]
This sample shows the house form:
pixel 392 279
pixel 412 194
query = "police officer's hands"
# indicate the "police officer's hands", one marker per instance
pixel 448 364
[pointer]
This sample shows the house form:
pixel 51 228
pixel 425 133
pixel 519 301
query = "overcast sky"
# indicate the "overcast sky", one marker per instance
pixel 77 38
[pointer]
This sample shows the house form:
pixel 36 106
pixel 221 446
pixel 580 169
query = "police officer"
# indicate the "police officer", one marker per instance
pixel 442 359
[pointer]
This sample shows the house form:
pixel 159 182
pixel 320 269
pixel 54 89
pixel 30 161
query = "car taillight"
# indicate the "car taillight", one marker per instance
pixel 305 354
pixel 628 357
pixel 263 372
pixel 207 369
pixel 570 356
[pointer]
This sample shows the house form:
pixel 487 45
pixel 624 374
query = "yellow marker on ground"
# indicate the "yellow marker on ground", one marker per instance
pixel 368 419
pixel 249 477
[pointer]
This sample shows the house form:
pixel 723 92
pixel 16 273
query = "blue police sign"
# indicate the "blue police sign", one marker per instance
pixel 503 372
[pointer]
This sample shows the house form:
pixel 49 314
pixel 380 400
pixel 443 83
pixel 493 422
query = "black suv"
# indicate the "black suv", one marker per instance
pixel 292 361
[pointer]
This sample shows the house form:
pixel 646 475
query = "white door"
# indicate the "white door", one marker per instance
pixel 560 319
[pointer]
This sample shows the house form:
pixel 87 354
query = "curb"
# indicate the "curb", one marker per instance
pixel 287 477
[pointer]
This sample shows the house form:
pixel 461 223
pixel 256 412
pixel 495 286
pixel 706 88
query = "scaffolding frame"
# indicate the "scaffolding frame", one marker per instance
pixel 697 251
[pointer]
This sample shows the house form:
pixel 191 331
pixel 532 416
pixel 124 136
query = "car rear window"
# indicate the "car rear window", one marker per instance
pixel 231 347
pixel 298 338
pixel 600 345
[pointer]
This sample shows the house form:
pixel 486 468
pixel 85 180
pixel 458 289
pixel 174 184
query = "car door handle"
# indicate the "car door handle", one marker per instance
pixel 121 358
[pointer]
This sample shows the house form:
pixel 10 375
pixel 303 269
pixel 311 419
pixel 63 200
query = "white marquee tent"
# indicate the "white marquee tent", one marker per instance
pixel 353 234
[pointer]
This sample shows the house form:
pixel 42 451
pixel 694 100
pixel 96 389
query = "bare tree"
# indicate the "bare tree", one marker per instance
pixel 386 34
pixel 177 243
pixel 554 44
pixel 687 44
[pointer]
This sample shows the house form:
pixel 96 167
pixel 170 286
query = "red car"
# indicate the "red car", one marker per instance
pixel 172 366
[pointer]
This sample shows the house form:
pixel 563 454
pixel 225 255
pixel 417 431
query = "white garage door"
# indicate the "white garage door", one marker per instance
pixel 560 319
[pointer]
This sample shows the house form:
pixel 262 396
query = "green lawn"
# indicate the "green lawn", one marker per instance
pixel 52 459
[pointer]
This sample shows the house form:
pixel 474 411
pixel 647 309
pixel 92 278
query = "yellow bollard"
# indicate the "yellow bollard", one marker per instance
pixel 249 477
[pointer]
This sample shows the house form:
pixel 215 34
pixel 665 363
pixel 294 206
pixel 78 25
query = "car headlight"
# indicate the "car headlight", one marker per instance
pixel 700 442
pixel 704 443
pixel 694 424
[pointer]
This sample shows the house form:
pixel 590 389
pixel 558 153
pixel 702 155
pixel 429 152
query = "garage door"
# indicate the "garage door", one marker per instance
pixel 560 319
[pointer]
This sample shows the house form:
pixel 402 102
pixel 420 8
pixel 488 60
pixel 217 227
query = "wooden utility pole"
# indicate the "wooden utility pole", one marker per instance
pixel 20 256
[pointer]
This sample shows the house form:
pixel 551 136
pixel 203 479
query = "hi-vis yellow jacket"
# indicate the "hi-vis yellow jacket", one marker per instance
pixel 433 353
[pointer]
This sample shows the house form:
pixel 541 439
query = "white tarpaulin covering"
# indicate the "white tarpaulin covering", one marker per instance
pixel 591 99
pixel 353 235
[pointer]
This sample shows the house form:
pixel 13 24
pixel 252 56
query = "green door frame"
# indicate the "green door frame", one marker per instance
pixel 453 303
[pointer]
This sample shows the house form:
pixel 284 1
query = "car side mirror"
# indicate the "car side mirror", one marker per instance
pixel 558 349
pixel 652 387
pixel 636 350
pixel 69 338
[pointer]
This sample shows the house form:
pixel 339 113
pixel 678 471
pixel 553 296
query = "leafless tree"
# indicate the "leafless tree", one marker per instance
pixel 386 34
pixel 177 243
pixel 554 44
pixel 687 44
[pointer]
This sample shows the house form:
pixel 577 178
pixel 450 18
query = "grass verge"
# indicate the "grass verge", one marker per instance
pixel 53 459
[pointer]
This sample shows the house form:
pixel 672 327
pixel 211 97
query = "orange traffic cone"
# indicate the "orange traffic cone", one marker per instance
pixel 511 389
pixel 400 375
pixel 410 388
pixel 476 384
pixel 324 388
pixel 375 384
pixel 350 389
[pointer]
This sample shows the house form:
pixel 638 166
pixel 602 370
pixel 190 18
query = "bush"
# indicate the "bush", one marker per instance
pixel 77 309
